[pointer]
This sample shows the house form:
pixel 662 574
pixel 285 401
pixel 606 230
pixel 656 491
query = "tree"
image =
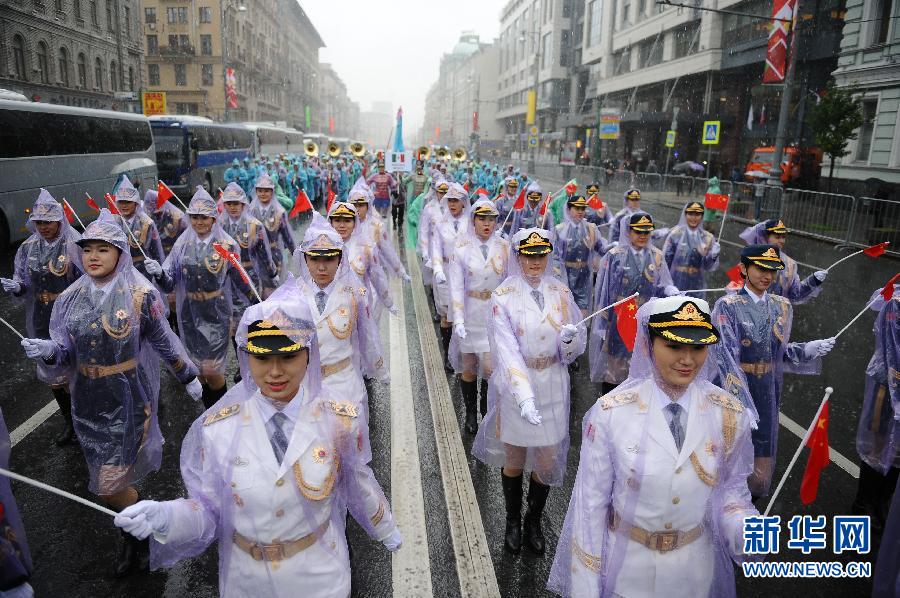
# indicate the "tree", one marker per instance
pixel 834 122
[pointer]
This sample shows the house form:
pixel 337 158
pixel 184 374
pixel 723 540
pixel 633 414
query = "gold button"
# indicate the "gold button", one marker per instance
pixel 94 326
pixel 678 470
pixel 676 500
pixel 93 360
pixel 279 513
pixel 233 485
pixel 280 482
pixel 93 343
pixel 668 526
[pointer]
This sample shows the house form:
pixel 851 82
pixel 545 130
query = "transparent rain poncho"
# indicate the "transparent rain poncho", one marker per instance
pixel 618 227
pixel 251 237
pixel 505 202
pixel 578 248
pixel 237 489
pixel 755 352
pixel 787 282
pixel 444 234
pixel 530 215
pixel 170 220
pixel 15 558
pixel 624 478
pixel 110 339
pixel 878 432
pixel 278 230
pixel 623 271
pixel 142 227
pixel 530 362
pixel 203 281
pixel 375 227
pixel 44 270
pixel 688 253
pixel 430 214
pixel 886 579
pixel 472 278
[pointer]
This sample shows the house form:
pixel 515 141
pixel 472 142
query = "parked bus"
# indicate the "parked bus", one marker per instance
pixel 193 151
pixel 68 151
pixel 271 140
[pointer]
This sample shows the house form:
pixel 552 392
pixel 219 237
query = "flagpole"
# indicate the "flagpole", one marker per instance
pixel 828 269
pixel 719 290
pixel 74 213
pixel 133 238
pixel 600 311
pixel 790 466
pixel 858 316
pixel 57 491
pixel 8 325
pixel 724 216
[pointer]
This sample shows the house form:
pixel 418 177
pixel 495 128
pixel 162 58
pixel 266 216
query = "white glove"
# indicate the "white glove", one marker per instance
pixel 428 264
pixel 144 518
pixel 195 389
pixel 714 252
pixel 394 310
pixel 10 285
pixel 394 541
pixel 529 413
pixel 153 268
pixel 819 348
pixel 39 348
pixel 459 329
pixel 567 333
pixel 440 277
pixel 820 275
pixel 671 290
pixel 406 277
pixel 613 245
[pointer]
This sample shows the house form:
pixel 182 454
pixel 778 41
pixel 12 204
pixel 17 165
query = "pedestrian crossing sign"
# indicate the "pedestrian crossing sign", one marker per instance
pixel 711 132
pixel 670 138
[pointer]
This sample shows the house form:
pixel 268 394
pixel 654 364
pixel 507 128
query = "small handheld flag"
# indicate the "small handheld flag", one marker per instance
pixel 111 203
pixel 715 201
pixel 520 201
pixel 235 260
pixel 734 275
pixel 818 457
pixel 301 204
pixel 71 216
pixel 873 251
pixel 595 203
pixel 626 322
pixel 91 203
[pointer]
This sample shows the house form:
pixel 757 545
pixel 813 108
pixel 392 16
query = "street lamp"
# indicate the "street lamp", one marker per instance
pixel 237 7
pixel 535 33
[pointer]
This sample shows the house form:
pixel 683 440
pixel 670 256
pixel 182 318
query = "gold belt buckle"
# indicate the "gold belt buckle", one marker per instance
pixel 268 552
pixel 664 541
pixel 91 371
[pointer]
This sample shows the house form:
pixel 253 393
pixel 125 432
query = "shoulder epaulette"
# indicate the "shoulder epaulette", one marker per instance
pixel 223 413
pixel 725 401
pixel 618 400
pixel 618 249
pixel 362 291
pixel 779 298
pixel 504 291
pixel 343 408
pixel 729 299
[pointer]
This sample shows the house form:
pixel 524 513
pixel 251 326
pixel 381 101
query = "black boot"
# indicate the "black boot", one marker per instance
pixel 64 400
pixel 537 498
pixel 606 388
pixel 469 391
pixel 211 395
pixel 868 495
pixel 126 554
pixel 446 333
pixel 482 403
pixel 512 493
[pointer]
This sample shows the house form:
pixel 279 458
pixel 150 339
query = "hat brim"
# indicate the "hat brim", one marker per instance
pixel 642 229
pixel 85 240
pixel 536 251
pixel 694 211
pixel 322 252
pixel 688 335
pixel 767 265
pixel 777 231
pixel 267 346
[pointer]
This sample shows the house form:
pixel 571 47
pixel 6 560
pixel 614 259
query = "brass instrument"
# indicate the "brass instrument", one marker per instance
pixel 357 149
pixel 311 148
pixel 334 149
pixel 424 152
pixel 459 154
pixel 442 153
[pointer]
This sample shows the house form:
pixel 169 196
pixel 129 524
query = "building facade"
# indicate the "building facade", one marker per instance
pixel 340 113
pixel 375 125
pixel 271 45
pixel 85 53
pixel 870 62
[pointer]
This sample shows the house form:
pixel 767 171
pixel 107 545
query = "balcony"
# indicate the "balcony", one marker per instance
pixel 175 52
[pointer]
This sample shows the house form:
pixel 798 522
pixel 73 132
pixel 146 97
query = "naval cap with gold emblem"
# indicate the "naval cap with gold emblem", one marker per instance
pixel 776 226
pixel 532 241
pixel 484 207
pixel 442 186
pixel 633 194
pixel 641 222
pixel 341 209
pixel 764 256
pixel 577 201
pixel 320 239
pixel 511 182
pixel 267 338
pixel 592 189
pixel 695 207
pixel 682 320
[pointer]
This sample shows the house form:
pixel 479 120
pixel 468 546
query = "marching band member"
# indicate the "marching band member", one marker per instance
pixel 477 265
pixel 661 494
pixel 533 338
pixel 108 329
pixel 46 263
pixel 271 471
pixel 274 218
pixel 691 251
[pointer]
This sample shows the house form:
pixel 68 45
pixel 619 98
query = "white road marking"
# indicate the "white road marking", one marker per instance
pixel 411 564
pixel 32 423
pixel 473 559
pixel 836 458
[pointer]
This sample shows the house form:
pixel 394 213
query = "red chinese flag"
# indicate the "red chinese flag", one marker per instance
pixel 876 250
pixel 595 203
pixel 888 291
pixel 330 198
pixel 466 187
pixel 734 275
pixel 715 201
pixel 520 201
pixel 163 194
pixel 111 203
pixel 818 457
pixel 301 204
pixel 233 259
pixel 481 191
pixel 545 204
pixel 626 322
pixel 67 210
pixel 92 204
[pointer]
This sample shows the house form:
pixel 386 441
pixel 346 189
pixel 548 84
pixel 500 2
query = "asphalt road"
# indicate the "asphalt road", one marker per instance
pixel 72 546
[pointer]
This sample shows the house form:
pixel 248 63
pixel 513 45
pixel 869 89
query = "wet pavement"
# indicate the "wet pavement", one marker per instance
pixel 72 546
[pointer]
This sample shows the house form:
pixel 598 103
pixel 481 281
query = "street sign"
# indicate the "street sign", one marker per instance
pixel 609 126
pixel 533 131
pixel 154 102
pixel 711 132
pixel 532 141
pixel 398 161
pixel 670 138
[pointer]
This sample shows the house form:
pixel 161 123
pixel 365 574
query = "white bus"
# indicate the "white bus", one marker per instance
pixel 271 140
pixel 68 151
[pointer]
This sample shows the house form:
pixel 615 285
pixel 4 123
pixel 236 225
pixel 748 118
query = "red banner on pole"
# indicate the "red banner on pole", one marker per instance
pixel 777 49
pixel 231 100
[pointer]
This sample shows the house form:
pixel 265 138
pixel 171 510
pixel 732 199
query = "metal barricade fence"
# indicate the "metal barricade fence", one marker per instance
pixel 875 221
pixel 826 216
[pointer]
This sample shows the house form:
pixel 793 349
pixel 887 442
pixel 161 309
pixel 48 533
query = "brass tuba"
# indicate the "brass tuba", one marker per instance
pixel 311 148
pixel 334 149
pixel 442 153
pixel 424 152
pixel 357 149
pixel 459 154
